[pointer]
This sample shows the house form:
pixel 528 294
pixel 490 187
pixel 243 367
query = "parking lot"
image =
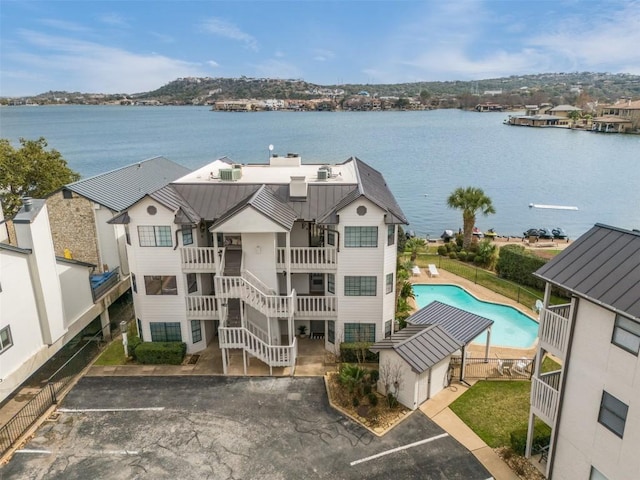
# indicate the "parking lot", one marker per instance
pixel 228 428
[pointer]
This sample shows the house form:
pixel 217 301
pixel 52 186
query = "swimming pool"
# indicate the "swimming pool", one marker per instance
pixel 511 328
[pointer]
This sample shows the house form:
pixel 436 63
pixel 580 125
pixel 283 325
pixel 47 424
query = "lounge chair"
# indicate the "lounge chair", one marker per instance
pixel 416 271
pixel 521 366
pixel 433 271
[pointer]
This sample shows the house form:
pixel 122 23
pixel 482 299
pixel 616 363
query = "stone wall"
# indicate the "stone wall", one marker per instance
pixel 73 227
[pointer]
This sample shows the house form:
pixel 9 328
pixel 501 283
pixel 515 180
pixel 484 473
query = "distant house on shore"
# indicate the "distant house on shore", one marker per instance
pixel 489 107
pixel 621 117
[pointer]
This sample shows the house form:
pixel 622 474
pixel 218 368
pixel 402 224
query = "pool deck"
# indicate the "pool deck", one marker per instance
pixel 482 293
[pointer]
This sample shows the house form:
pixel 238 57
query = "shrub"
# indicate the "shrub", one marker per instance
pixel 351 352
pixel 374 375
pixel 366 389
pixel 462 255
pixel 478 260
pixel 517 265
pixel 373 399
pixel 392 400
pixel 161 353
pixel 442 251
pixel 453 255
pixel 355 401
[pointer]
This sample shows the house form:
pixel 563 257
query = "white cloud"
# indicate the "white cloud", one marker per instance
pixel 279 54
pixel 222 28
pixel 322 55
pixel 76 65
pixel 114 20
pixel 213 63
pixel 63 25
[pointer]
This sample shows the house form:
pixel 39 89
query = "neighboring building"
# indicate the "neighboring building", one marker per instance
pixel 79 212
pixel 418 357
pixel 592 403
pixel 251 253
pixel 621 117
pixel 489 107
pixel 540 120
pixel 45 300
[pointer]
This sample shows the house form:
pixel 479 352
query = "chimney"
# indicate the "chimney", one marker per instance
pixel 298 187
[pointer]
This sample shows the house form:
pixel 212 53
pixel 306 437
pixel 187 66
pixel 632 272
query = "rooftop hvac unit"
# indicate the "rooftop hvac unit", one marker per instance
pixel 322 174
pixel 230 174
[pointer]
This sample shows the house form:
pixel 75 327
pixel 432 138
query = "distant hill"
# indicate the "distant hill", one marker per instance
pixel 573 88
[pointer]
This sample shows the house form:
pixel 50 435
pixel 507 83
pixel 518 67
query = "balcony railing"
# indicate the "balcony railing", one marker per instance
pixel 554 329
pixel 201 307
pixel 544 400
pixel 272 355
pixel 103 282
pixel 199 258
pixel 313 306
pixel 269 305
pixel 308 258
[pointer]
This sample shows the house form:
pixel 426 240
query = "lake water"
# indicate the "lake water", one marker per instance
pixel 424 156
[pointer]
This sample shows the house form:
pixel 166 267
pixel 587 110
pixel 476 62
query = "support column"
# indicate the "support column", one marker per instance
pixel 224 361
pixel 527 451
pixel 486 350
pixel 105 324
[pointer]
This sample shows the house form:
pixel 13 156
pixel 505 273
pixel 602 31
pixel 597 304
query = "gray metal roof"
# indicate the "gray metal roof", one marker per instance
pixel 462 325
pixel 421 346
pixel 11 248
pixel 376 189
pixel 171 199
pixel 603 266
pixel 121 188
pixel 267 203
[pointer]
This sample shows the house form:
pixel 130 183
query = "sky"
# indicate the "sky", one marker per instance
pixel 138 46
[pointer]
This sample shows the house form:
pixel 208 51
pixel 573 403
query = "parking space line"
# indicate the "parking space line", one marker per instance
pixel 121 452
pixel 92 410
pixel 398 449
pixel 32 450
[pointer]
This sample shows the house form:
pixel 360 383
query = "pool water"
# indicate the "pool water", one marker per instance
pixel 511 328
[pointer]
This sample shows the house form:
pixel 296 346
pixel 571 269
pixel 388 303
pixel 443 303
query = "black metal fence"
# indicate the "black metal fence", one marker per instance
pixel 48 395
pixel 493 368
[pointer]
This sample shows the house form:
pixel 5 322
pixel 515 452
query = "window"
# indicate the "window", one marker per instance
pixel 391 234
pixel 134 284
pixel 596 475
pixel 331 331
pixel 5 338
pixel 155 236
pixel 140 329
pixel 360 236
pixel 187 237
pixel 613 414
pixel 192 283
pixel 196 331
pixel 626 334
pixel 165 331
pixel 331 283
pixel 160 285
pixel 359 332
pixel 360 286
pixel 331 238
pixel 389 283
pixel 387 329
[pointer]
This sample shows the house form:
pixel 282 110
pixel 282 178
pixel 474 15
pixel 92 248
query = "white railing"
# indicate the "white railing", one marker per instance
pixel 201 307
pixel 259 332
pixel 198 258
pixel 544 400
pixel 272 355
pixel 554 332
pixel 313 306
pixel 259 284
pixel 269 305
pixel 308 257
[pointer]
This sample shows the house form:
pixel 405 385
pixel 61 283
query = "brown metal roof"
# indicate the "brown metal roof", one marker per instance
pixel 462 325
pixel 602 266
pixel 421 346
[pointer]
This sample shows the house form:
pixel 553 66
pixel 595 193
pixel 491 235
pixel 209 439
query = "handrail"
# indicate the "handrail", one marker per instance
pixel 258 332
pixel 272 355
pixel 554 331
pixel 307 256
pixel 544 398
pixel 201 305
pixel 239 287
pixel 316 306
pixel 250 277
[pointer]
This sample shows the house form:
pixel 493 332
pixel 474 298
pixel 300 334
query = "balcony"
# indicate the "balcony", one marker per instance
pixel 304 259
pixel 103 282
pixel 544 400
pixel 198 259
pixel 201 307
pixel 554 329
pixel 316 307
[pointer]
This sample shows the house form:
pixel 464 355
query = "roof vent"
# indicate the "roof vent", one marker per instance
pixel 324 172
pixel 28 203
pixel 298 187
pixel 230 174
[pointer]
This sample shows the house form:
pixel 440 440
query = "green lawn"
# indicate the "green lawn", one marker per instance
pixel 113 354
pixel 494 409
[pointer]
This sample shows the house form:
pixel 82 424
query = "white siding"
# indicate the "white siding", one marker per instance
pixel 596 365
pixel 249 221
pixel 408 384
pixel 107 244
pixel 439 376
pixel 17 310
pixel 259 250
pixel 76 291
pixel 362 262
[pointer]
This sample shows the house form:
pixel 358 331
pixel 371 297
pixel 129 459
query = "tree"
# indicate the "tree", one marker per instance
pixel 415 245
pixel 470 200
pixel 30 171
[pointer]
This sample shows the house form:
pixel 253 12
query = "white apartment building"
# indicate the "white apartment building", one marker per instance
pixel 251 253
pixel 592 403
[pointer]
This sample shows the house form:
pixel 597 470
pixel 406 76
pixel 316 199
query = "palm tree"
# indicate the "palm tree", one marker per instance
pixel 415 244
pixel 470 200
